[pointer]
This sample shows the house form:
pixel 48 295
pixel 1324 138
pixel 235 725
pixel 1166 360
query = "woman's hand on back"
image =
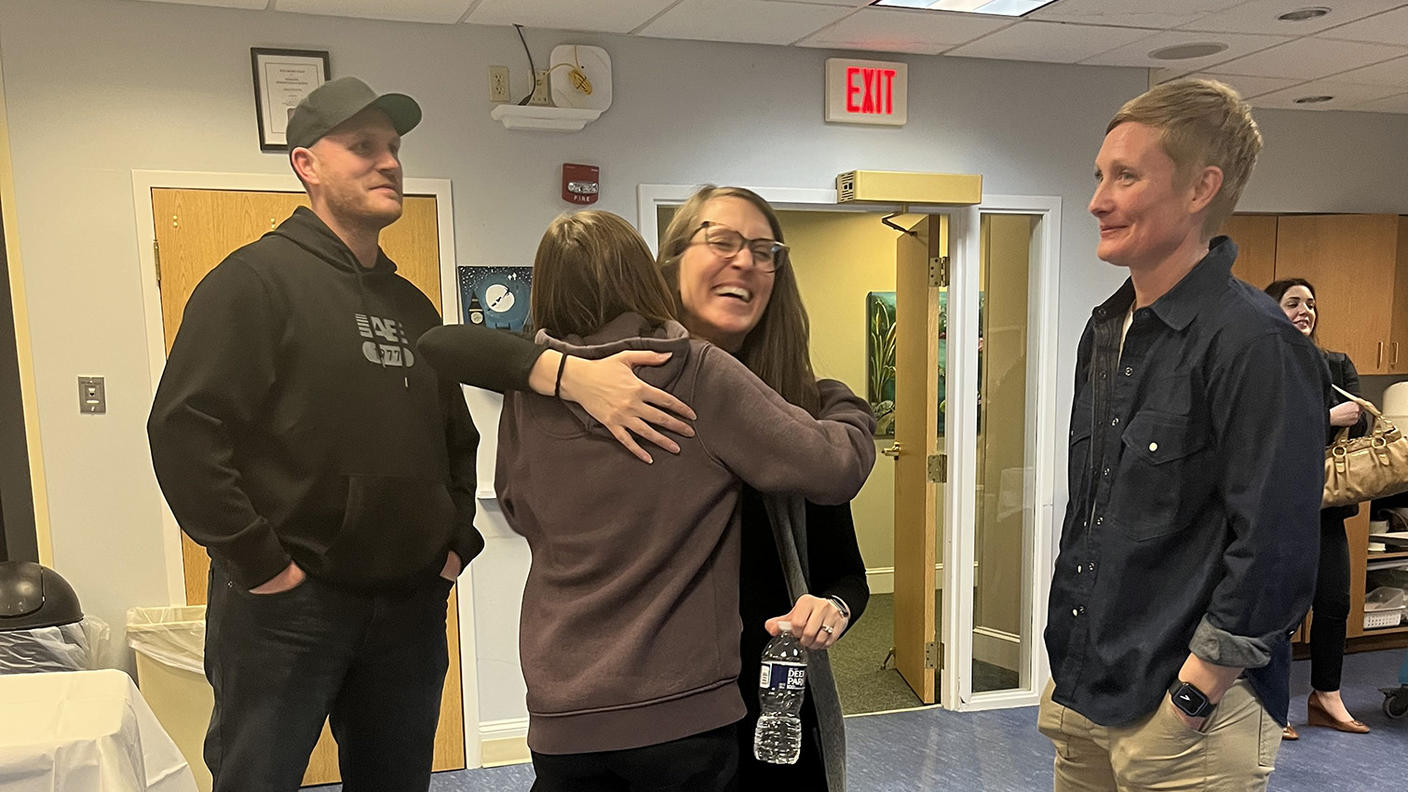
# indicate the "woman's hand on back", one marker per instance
pixel 609 390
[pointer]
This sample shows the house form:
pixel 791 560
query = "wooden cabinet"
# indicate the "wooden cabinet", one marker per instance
pixel 1360 272
pixel 1398 334
pixel 1255 236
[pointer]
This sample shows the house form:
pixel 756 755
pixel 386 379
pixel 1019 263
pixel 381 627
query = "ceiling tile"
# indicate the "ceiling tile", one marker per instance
pixel 1390 104
pixel 722 20
pixel 1259 16
pixel 1392 73
pixel 850 3
pixel 1345 95
pixel 1131 13
pixel 900 30
pixel 253 4
pixel 1389 28
pixel 1137 54
pixel 606 16
pixel 1056 42
pixel 1246 86
pixel 444 11
pixel 1310 58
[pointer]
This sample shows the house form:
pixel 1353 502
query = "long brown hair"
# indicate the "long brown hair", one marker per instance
pixel 778 349
pixel 591 267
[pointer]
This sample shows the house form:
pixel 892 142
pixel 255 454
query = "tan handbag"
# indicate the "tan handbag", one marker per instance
pixel 1368 467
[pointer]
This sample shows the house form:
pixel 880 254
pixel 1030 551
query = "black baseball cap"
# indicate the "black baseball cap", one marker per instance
pixel 336 101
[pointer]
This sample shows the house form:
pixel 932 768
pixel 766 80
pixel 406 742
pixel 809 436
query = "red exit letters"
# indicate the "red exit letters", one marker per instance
pixel 875 89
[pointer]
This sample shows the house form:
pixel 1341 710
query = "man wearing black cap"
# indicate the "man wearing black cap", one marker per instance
pixel 328 472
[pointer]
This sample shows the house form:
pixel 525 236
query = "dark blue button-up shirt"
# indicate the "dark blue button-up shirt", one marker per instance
pixel 1195 473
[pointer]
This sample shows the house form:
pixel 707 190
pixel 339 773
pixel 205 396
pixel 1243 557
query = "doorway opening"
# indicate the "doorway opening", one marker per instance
pixel 989 503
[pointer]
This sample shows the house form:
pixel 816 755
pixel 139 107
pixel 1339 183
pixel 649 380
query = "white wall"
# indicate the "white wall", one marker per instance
pixel 97 88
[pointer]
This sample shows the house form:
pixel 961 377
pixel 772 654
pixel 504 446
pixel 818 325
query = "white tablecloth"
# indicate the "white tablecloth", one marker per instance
pixel 85 731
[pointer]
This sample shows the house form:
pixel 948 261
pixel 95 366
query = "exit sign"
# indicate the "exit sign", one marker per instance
pixel 866 92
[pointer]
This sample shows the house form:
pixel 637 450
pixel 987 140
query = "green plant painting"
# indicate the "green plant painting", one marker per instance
pixel 880 360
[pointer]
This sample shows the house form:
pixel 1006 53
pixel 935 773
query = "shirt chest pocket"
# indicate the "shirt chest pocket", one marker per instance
pixel 1162 479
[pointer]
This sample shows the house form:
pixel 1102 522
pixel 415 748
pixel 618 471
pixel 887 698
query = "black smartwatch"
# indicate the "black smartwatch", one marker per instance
pixel 1191 701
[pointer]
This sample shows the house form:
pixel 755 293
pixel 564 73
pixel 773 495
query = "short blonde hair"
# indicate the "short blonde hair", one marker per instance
pixel 1200 123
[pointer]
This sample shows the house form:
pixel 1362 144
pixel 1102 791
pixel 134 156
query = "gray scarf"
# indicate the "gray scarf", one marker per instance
pixel 789 527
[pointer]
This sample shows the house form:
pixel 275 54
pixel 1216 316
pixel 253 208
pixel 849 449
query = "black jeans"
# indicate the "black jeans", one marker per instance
pixel 281 663
pixel 703 762
pixel 1331 606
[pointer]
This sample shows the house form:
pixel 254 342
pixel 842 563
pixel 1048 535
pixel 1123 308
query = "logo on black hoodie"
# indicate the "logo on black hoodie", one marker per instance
pixel 388 345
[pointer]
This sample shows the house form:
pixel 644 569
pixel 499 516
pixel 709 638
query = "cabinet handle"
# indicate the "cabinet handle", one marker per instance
pixel 1379 359
pixel 1394 360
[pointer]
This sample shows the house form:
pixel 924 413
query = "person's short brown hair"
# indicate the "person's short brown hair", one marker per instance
pixel 1201 123
pixel 591 267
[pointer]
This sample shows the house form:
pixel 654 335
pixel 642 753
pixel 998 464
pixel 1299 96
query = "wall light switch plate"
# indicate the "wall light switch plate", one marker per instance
pixel 92 396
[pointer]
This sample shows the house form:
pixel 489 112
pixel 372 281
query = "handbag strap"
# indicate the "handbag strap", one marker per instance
pixel 1365 403
pixel 1379 419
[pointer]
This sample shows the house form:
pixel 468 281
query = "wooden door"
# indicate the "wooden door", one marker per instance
pixel 1255 236
pixel 195 230
pixel 916 435
pixel 1351 261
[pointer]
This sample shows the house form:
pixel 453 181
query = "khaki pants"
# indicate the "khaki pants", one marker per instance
pixel 1234 752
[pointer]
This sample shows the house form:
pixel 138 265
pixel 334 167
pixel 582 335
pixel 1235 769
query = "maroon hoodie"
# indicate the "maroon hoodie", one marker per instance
pixel 629 630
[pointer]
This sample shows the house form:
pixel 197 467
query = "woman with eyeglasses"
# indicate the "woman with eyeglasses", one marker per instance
pixel 724 256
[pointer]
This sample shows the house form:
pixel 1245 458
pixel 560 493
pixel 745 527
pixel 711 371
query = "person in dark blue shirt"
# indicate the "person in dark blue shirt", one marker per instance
pixel 1195 470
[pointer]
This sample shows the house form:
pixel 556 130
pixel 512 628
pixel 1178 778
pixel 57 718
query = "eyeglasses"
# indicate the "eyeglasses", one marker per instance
pixel 769 255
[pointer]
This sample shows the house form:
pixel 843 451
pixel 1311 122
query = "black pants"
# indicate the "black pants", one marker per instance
pixel 1331 605
pixel 281 663
pixel 703 762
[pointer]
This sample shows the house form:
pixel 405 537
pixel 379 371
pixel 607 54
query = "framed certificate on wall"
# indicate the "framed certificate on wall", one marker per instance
pixel 281 79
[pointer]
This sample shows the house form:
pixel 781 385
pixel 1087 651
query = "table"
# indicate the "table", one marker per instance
pixel 85 731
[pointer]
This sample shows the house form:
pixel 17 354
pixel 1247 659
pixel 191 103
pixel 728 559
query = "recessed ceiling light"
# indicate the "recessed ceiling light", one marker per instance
pixel 1313 99
pixel 1200 49
pixel 1303 14
pixel 995 7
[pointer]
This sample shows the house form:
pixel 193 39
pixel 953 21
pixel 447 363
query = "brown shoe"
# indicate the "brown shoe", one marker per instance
pixel 1288 732
pixel 1317 716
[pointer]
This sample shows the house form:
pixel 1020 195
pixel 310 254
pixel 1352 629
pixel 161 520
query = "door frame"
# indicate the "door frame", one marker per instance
pixel 143 182
pixel 1043 453
pixel 1043 419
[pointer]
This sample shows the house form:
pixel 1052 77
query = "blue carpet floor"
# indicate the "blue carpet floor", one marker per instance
pixel 1001 751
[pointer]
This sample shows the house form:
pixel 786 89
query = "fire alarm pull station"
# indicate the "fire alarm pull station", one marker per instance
pixel 580 183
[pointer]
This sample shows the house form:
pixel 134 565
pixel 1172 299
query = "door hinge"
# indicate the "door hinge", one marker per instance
pixel 938 271
pixel 156 257
pixel 938 468
pixel 933 655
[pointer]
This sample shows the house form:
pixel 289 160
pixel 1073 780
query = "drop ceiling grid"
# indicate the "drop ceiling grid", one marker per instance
pixel 719 20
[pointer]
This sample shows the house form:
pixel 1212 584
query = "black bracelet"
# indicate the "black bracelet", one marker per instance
pixel 557 386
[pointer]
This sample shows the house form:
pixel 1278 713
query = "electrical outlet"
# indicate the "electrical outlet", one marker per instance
pixel 542 95
pixel 498 84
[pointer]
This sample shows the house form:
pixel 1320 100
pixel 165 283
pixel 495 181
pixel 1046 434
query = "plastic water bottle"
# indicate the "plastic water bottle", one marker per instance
pixel 782 684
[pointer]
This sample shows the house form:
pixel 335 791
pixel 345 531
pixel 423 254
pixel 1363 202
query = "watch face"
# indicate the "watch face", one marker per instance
pixel 1190 700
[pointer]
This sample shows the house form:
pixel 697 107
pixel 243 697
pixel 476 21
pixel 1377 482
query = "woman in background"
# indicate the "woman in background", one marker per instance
pixel 1331 605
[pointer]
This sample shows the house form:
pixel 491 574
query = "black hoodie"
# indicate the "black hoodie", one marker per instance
pixel 295 422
